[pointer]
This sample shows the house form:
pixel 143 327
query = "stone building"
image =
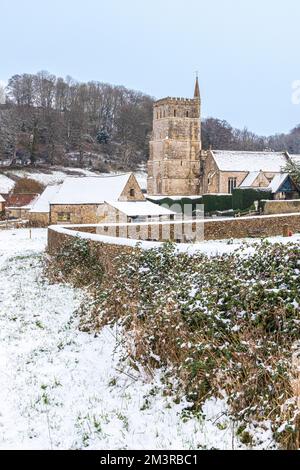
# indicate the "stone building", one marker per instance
pixel 174 164
pixel 222 171
pixel 96 199
pixel 179 167
pixel 19 205
pixel 39 215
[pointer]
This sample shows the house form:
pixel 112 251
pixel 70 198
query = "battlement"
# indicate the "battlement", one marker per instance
pixel 172 101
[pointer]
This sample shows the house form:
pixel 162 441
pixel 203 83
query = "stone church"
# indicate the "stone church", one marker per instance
pixel 179 167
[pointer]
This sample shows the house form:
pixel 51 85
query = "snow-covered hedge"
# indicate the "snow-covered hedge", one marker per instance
pixel 225 326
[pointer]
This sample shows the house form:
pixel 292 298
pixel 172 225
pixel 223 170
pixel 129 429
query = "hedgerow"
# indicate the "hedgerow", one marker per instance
pixel 227 325
pixel 76 262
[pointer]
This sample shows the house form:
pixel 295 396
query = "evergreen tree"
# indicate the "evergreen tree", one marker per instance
pixel 102 136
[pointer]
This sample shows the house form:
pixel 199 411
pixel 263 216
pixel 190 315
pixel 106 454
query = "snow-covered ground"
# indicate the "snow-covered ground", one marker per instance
pixel 57 176
pixel 50 176
pixel 64 389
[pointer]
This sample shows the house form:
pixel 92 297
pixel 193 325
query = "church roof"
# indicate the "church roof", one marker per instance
pixel 231 161
pixel 250 178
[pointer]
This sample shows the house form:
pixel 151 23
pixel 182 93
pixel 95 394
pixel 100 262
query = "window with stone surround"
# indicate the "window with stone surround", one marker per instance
pixel 132 192
pixel 232 184
pixel 63 216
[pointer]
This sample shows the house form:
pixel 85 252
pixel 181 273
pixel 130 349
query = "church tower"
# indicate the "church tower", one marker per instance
pixel 174 163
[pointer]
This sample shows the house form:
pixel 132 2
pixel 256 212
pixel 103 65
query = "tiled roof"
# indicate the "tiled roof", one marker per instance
pixel 21 200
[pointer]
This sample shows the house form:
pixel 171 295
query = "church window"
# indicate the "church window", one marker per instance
pixel 132 192
pixel 232 184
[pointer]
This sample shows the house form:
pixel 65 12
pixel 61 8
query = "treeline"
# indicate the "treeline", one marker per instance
pixel 51 118
pixel 59 121
pixel 219 134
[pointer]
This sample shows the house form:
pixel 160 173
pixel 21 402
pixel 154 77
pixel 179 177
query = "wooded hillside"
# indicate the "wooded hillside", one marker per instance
pixel 48 119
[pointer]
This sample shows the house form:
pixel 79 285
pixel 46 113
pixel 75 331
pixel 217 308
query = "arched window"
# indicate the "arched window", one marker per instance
pixel 132 192
pixel 187 114
pixel 174 112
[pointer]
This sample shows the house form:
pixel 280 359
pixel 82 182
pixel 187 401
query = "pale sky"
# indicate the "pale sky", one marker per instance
pixel 246 51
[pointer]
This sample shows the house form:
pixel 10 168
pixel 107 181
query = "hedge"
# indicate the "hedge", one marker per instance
pixel 177 205
pixel 217 202
pixel 244 198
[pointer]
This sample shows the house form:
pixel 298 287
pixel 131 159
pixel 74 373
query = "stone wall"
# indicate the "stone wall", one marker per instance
pixel 244 227
pixel 157 232
pixel 110 255
pixel 282 207
pixel 78 214
pixel 253 227
pixel 39 219
pixel 16 213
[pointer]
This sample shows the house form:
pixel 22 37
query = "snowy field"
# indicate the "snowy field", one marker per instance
pixel 58 176
pixel 64 389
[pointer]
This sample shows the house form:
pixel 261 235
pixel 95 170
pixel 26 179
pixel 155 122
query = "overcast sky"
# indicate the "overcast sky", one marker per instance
pixel 246 51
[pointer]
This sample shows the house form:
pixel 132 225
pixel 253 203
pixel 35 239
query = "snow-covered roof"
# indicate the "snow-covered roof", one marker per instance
pixel 144 208
pixel 272 162
pixel 42 204
pixel 90 189
pixel 6 184
pixel 278 181
pixel 250 178
pixel 2 199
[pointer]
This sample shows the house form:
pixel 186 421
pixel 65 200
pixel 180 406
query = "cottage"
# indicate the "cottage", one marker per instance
pixel 19 205
pixel 39 215
pixel 94 199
